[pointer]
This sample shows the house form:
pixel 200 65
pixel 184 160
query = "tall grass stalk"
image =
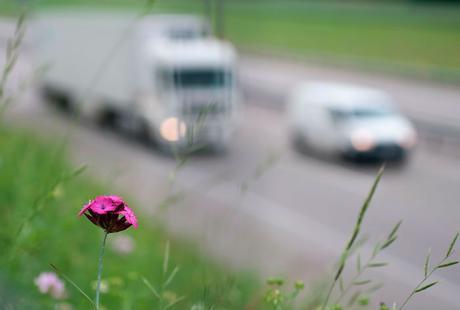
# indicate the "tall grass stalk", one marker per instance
pixel 168 278
pixel 444 263
pixel 40 203
pixel 262 167
pixel 356 230
pixel 71 282
pixel 370 263
pixel 11 58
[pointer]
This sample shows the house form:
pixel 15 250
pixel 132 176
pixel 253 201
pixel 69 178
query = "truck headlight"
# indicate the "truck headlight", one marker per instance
pixel 173 129
pixel 362 140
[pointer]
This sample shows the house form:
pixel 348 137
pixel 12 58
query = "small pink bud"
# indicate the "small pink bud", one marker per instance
pixel 49 283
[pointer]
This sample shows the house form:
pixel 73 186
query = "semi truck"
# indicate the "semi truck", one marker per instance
pixel 163 76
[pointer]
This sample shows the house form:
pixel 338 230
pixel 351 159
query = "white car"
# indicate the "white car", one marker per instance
pixel 351 121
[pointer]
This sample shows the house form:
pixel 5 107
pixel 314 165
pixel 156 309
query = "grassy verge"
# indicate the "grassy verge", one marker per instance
pixel 417 36
pixel 30 193
pixel 402 37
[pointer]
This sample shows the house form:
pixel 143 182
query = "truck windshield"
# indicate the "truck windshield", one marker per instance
pixel 187 78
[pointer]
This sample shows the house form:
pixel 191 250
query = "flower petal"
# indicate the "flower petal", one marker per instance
pixel 130 216
pixel 92 219
pixel 103 205
pixel 85 207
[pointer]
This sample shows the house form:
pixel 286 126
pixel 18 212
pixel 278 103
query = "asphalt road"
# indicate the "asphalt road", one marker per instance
pixel 423 100
pixel 295 219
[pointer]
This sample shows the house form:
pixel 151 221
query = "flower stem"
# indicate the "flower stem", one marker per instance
pixel 99 271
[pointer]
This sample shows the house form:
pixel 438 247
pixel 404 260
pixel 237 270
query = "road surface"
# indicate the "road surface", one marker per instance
pixel 295 219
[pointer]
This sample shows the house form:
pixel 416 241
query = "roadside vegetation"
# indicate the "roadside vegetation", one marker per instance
pixel 406 35
pixel 40 196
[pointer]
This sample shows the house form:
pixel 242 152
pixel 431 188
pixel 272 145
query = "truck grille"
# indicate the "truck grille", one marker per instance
pixel 203 109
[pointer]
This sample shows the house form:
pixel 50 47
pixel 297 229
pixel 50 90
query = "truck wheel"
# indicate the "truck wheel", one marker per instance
pixel 108 119
pixel 298 141
pixel 58 98
pixel 145 136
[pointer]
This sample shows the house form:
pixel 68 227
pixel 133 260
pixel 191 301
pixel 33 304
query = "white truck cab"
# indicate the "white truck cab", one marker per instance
pixel 189 84
pixel 348 120
pixel 162 74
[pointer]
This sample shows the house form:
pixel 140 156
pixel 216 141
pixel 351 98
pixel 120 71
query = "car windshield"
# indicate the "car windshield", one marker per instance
pixel 340 115
pixel 179 33
pixel 201 78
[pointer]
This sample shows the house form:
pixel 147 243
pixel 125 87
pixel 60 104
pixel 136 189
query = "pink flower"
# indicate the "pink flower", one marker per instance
pixel 49 283
pixel 110 213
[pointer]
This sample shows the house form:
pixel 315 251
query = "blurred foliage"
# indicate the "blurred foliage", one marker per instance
pixel 404 37
pixel 31 183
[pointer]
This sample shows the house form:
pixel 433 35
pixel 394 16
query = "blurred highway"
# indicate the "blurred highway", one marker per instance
pixel 295 219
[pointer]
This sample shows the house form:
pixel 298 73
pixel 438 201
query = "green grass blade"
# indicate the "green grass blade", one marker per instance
pixel 173 303
pixel 426 287
pixel 73 284
pixel 427 263
pixel 171 277
pixel 394 230
pixel 452 245
pixel 363 282
pixel 448 264
pixel 151 288
pixel 375 265
pixel 166 258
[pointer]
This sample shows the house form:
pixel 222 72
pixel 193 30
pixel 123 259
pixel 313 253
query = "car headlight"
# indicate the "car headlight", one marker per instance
pixel 362 140
pixel 408 141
